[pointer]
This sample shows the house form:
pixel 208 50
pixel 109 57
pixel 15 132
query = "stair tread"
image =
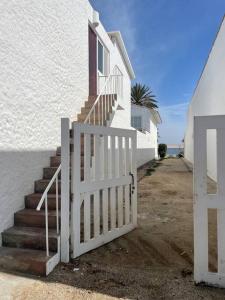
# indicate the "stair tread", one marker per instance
pixel 24 254
pixel 46 180
pixel 34 212
pixel 39 195
pixel 30 231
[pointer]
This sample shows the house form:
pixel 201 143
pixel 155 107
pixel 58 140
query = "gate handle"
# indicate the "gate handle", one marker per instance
pixel 132 176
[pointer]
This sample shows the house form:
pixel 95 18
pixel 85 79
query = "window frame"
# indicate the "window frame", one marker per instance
pixel 105 59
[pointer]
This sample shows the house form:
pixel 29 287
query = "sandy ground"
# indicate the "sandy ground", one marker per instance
pixel 155 261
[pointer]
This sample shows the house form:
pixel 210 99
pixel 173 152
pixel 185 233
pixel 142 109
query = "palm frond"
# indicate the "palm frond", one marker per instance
pixel 143 96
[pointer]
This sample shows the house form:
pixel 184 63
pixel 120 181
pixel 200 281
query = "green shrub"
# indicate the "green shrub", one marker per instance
pixel 162 148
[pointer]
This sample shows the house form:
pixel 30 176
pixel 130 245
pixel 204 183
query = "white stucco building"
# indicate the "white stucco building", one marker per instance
pixel 55 55
pixel 208 99
pixel 145 120
pixel 51 53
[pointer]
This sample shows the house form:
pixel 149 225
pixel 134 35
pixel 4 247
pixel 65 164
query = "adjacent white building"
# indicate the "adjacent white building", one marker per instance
pixel 208 99
pixel 145 120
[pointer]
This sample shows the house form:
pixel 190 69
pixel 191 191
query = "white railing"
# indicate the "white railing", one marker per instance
pixel 44 199
pixel 112 90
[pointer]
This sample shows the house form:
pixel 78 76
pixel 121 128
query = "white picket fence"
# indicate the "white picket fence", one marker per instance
pixel 104 185
pixel 204 201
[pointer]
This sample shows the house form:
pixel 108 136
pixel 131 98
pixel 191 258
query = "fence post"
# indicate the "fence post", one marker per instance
pixel 65 189
pixel 134 172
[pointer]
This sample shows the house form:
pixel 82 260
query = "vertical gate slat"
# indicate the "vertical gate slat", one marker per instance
pixel 127 187
pixel 134 172
pixel 113 156
pixel 220 195
pixel 120 188
pixel 127 204
pixel 75 209
pixel 87 171
pixel 96 214
pixel 96 157
pixel 105 210
pixel 87 223
pixel 200 208
pixel 87 157
pixel 106 165
pixel 96 177
pixel 112 190
pixel 113 207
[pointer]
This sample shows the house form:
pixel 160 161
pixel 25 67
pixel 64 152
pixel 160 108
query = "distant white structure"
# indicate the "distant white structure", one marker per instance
pixel 145 120
pixel 209 99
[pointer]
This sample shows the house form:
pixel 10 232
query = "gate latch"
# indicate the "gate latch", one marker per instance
pixel 132 183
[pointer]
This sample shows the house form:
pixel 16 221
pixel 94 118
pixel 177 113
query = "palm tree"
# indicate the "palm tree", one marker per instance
pixel 142 95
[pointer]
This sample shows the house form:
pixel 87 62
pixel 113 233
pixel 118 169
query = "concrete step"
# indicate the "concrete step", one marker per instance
pixel 71 149
pixel 49 172
pixel 32 218
pixel 55 161
pixel 85 110
pixel 24 260
pixel 32 201
pixel 98 119
pixel 40 186
pixel 29 238
pixel 91 101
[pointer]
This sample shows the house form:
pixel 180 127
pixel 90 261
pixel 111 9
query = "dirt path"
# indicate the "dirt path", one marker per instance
pixel 155 261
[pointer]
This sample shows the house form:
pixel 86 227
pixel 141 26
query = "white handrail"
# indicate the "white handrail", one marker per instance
pixel 48 187
pixel 44 198
pixel 113 86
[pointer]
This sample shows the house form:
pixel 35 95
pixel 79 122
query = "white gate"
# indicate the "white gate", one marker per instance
pixel 104 189
pixel 204 201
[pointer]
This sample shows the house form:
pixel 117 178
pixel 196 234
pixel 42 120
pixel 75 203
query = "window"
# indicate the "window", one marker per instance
pixel 100 58
pixel 136 122
pixel 103 59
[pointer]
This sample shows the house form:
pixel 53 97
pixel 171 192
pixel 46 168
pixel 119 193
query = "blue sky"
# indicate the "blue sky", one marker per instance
pixel 168 42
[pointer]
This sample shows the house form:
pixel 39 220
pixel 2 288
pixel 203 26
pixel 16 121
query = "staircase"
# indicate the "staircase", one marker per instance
pixel 24 245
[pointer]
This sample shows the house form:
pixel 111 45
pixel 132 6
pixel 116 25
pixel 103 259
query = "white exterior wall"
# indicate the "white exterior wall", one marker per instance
pixel 44 76
pixel 147 143
pixel 209 99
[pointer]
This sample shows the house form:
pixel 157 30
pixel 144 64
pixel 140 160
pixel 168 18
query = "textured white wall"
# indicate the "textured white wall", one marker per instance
pixel 147 143
pixel 44 76
pixel 209 99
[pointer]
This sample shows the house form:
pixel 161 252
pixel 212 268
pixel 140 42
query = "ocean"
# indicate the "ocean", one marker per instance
pixel 174 151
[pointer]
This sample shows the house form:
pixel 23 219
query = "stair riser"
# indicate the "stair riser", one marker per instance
pixel 85 110
pixel 29 242
pixel 24 266
pixel 34 221
pixel 71 148
pixel 40 187
pixel 82 118
pixel 33 203
pixel 55 161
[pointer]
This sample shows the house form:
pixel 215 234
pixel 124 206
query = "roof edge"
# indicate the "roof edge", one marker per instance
pixel 155 112
pixel 117 35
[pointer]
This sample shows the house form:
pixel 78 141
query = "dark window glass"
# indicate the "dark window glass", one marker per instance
pixel 100 57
